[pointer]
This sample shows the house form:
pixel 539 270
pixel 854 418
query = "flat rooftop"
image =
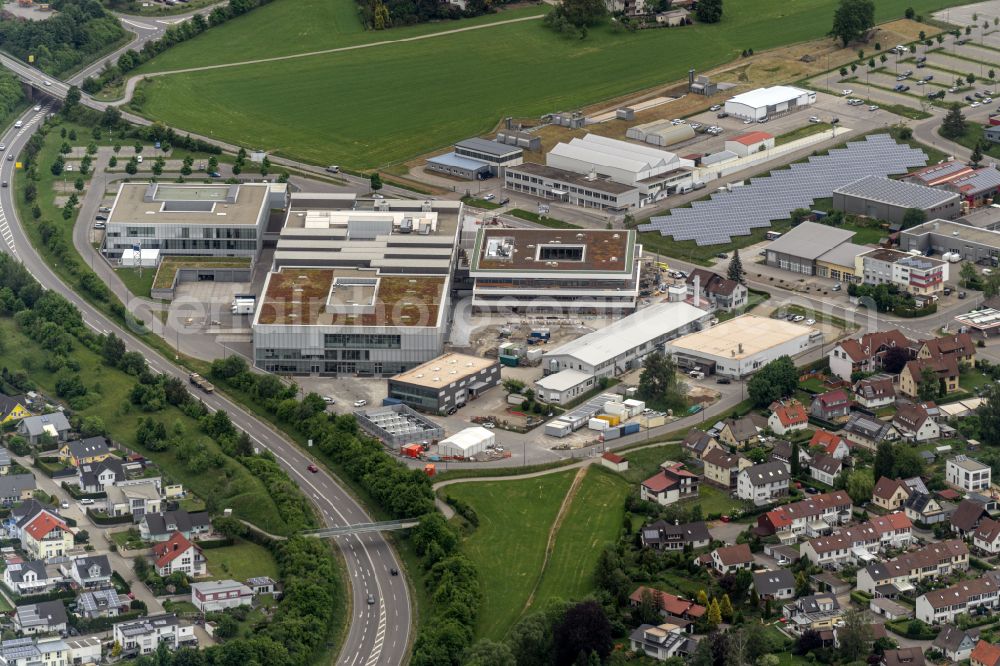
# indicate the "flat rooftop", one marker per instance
pixel 216 205
pixel 554 250
pixel 896 192
pixel 572 178
pixel 349 297
pixel 740 337
pixel 956 231
pixel 316 212
pixel 444 370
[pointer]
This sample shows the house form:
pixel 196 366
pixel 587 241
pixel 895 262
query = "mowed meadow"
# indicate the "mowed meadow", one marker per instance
pixel 382 104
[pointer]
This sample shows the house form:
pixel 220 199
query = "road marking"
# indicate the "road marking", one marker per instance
pixel 140 26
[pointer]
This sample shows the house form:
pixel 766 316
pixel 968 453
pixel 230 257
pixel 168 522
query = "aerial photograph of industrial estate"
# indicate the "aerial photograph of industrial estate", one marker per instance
pixel 499 332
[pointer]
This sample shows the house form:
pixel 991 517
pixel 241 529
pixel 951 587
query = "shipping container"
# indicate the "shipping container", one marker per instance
pixel 630 428
pixel 412 450
pixel 612 433
pixel 430 469
pixel 535 355
pixel 617 408
pixel 636 405
pixel 652 421
pixel 510 361
pixel 612 419
pixel 597 424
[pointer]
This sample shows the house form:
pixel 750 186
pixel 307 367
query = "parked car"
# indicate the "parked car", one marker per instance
pixel 101 218
pixel 328 399
pixel 489 197
pixel 809 322
pixel 835 287
pixel 961 294
pixel 104 209
pixel 723 380
pixel 715 107
pixel 722 114
pixel 489 425
pixel 64 505
pixel 100 225
pixel 814 119
pixel 360 403
pixel 722 255
pixel 846 92
pixel 86 501
pixel 873 107
pixel 798 318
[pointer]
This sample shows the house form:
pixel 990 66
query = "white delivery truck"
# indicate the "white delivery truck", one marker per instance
pixel 244 304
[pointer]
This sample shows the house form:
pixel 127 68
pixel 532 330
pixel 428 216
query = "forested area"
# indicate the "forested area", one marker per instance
pixel 382 14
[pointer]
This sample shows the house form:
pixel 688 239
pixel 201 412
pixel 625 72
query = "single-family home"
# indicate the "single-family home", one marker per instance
pixel 874 393
pixel 136 498
pixel 831 406
pixel 867 431
pixel 776 584
pixel 144 635
pixel 721 468
pixel 178 554
pixel 671 607
pixel 911 656
pixel 34 428
pixel 902 572
pixel 944 605
pixel 816 612
pixel 762 484
pixel 812 517
pixel 102 602
pixel 825 469
pixel 986 537
pixel 671 484
pixel 42 618
pixel 16 488
pixel 890 494
pixel 727 559
pixel 13 408
pixel 32 651
pixel 698 443
pixel 719 292
pixel 81 451
pixel 968 516
pixel 99 476
pixel 914 424
pixel 985 654
pixel 830 444
pixel 31 577
pixel 741 432
pixel 954 643
pixel 662 642
pixel 926 509
pixel 46 536
pixel 91 571
pixel 614 462
pixel 782 452
pixel 965 473
pixel 663 535
pixel 944 368
pixel 217 595
pixel 860 543
pixel 262 585
pixel 864 354
pixel 21 513
pixel 961 346
pixel 787 416
pixel 160 526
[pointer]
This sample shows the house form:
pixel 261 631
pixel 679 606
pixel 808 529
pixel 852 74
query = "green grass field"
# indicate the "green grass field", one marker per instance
pixel 349 108
pixel 240 561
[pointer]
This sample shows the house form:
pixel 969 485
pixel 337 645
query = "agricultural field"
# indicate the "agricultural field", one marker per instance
pixel 347 107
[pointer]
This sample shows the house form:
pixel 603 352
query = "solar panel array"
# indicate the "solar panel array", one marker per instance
pixel 775 196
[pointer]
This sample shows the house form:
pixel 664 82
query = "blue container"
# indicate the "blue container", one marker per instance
pixel 630 428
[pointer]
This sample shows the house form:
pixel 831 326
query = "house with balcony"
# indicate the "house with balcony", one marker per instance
pixel 179 554
pixel 810 517
pixel 944 605
pixel 671 484
pixel 91 571
pixel 954 643
pixel 868 432
pixel 944 368
pixel 82 451
pixel 103 602
pixel 46 536
pixel 874 393
pixel 816 612
pixel 98 477
pixel 914 424
pixel 987 536
pixel 961 346
pixel 217 595
pixel 865 354
pixel 722 468
pixel 711 291
pixel 35 651
pixel 861 543
pixel 787 416
pixel 698 443
pixel 31 577
pixel 831 406
pixel 160 526
pixel 144 635
pixel 830 444
pixel 45 617
pixel 782 452
pixel 927 509
pixel 968 474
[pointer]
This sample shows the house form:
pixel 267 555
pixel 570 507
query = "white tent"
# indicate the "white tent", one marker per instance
pixel 467 443
pixel 144 258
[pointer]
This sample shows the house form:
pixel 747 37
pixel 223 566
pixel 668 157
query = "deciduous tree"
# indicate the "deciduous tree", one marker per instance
pixel 852 19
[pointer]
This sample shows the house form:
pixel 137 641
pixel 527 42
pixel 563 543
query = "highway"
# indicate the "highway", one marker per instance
pixel 379 632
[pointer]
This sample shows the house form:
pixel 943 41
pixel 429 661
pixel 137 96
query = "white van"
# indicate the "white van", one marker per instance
pixel 18 124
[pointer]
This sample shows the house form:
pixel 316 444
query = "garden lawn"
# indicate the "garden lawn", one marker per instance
pixel 348 107
pixel 240 561
pixel 644 463
pixel 508 546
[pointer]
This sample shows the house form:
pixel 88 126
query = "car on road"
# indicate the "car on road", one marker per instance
pixel 360 403
pixel 312 468
pixel 86 501
pixel 836 287
pixel 722 255
pixel 3 146
pixel 215 174
pixel 715 107
pixel 961 294
pixel 678 121
pixel 10 158
pixel 38 107
pixel 394 571
pixel 5 183
pixel 504 201
pixel 723 380
pixel 104 209
pixel 328 399
pixel 695 126
pixel 47 82
pixel 974 104
pixel 333 168
pixel 748 121
pixel 798 318
pixel 722 114
pixel 873 107
pixel 377 196
pixel 814 119
pixel 489 197
pixel 489 425
pixel 846 92
pixel 18 125
pixel 101 218
pixel 64 504
pixel 100 225
pixel 371 599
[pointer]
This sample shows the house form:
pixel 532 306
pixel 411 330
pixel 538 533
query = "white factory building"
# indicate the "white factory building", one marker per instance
pixel 769 102
pixel 621 161
pixel 622 345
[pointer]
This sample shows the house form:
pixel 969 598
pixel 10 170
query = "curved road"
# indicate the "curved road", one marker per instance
pixel 379 632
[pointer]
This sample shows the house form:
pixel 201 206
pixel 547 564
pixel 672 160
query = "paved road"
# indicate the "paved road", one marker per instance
pixel 380 632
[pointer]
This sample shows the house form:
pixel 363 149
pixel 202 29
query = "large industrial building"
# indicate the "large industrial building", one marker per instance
pixel 942 236
pixel 740 346
pixel 357 291
pixel 888 199
pixel 476 158
pixel 208 220
pixel 660 133
pixel 975 185
pixel 584 190
pixel 622 345
pixel 799 249
pixel 769 102
pixel 555 271
pixel 446 382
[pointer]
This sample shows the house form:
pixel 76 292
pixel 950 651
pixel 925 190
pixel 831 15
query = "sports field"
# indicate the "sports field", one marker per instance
pixel 374 106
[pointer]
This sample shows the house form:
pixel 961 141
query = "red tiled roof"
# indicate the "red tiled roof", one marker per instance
pixel 750 138
pixel 613 457
pixel 44 523
pixel 169 550
pixel 670 603
pixel 986 653
pixel 948 494
pixel 827 440
pixel 988 530
pixel 834 397
pixel 790 413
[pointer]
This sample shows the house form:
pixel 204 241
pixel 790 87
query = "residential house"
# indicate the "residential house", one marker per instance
pixel 825 469
pixel 762 484
pixel 961 346
pixel 614 462
pixel 782 452
pixel 911 656
pixel 861 542
pixel 830 444
pixel 931 561
pixel 179 554
pixel 34 428
pixel 812 517
pixel 669 485
pixel 46 536
pixel 217 595
pixel 874 393
pixel 921 508
pixel 890 494
pixel 24 512
pixel 31 577
pixel 42 618
pixel 103 602
pixel 136 499
pixel 987 536
pixel 91 571
pixel 787 416
pixel 968 517
pixel 985 654
pixel 98 477
pixel 5 461
pixel 160 526
pixel 816 612
pixel 727 559
pixel 671 607
pixel 662 535
pixel 831 406
pixel 741 432
pixel 698 443
pixel 954 643
pixel 262 585
pixel 82 451
pixel 914 424
pixel 722 468
pixel 776 584
pixel 868 432
pixel 945 368
pixel 865 354
pixel 34 651
pixel 16 488
pixel 943 606
pixel 144 635
pixel 13 408
pixel 662 642
pixel 84 650
pixel 964 473
pixel 720 293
